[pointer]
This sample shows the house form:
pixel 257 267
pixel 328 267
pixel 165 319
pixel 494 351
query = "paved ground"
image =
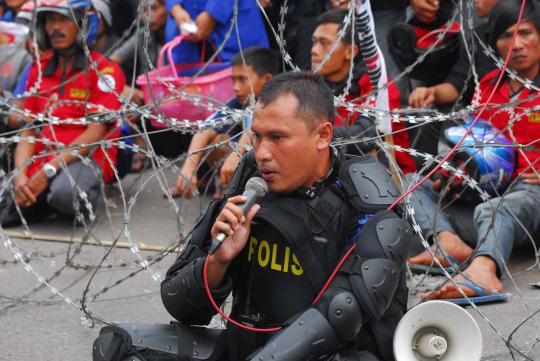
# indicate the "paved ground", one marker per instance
pixel 37 325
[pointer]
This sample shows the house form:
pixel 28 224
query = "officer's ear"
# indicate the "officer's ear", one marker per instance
pixel 326 132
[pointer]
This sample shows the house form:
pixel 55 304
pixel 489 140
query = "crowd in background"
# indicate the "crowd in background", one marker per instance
pixel 450 71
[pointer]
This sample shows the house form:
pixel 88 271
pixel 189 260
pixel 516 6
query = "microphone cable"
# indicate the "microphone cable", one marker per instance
pixel 269 329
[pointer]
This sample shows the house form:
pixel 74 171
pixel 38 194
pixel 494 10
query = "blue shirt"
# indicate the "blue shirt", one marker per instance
pixel 234 129
pixel 8 16
pixel 21 84
pixel 250 26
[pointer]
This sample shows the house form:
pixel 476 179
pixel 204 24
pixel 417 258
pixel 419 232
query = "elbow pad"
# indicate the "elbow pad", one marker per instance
pixel 320 330
pixel 184 297
pixel 374 268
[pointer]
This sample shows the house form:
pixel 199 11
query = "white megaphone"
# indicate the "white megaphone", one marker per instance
pixel 437 331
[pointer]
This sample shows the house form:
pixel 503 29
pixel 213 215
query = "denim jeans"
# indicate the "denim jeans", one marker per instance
pixel 501 223
pixel 427 213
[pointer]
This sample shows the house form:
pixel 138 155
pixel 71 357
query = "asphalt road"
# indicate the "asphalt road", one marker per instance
pixel 36 324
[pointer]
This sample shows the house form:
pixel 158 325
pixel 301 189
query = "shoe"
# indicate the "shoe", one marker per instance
pixel 482 295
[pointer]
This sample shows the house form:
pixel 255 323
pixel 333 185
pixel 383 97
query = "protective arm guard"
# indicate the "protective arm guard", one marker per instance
pixel 184 297
pixel 366 284
pixel 182 291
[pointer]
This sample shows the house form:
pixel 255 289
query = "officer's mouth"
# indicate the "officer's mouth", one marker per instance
pixel 268 175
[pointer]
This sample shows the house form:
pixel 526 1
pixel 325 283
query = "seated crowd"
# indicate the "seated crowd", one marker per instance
pixel 59 79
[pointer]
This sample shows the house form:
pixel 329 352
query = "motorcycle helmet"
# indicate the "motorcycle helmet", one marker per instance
pixel 486 153
pixel 75 9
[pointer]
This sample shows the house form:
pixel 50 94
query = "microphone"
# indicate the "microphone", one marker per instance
pixel 256 189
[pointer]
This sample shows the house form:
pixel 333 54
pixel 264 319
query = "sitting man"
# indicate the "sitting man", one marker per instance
pixel 248 79
pixel 503 222
pixel 448 91
pixel 277 257
pixel 133 53
pixel 335 73
pixel 52 168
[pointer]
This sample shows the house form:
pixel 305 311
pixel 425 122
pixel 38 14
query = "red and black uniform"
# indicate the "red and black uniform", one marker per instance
pixel 83 89
pixel 524 129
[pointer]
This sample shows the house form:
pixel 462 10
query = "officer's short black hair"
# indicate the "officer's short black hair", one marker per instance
pixel 262 60
pixel 337 16
pixel 505 14
pixel 315 99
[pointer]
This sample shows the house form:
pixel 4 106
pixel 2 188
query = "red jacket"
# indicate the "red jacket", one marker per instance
pixel 79 87
pixel 525 129
pixel 404 160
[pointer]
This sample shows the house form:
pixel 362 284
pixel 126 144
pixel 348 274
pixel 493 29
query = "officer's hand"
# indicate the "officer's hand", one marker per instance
pixel 422 97
pixel 232 222
pixel 228 168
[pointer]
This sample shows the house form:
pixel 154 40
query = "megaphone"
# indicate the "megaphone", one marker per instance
pixel 437 331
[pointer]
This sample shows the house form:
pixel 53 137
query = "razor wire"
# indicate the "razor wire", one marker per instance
pixel 159 169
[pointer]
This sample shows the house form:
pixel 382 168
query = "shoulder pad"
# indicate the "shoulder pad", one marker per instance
pixel 367 183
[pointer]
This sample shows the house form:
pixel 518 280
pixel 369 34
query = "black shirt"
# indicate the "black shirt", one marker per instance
pixel 483 64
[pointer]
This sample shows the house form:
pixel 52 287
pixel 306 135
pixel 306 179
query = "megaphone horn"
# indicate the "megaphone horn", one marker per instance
pixel 437 331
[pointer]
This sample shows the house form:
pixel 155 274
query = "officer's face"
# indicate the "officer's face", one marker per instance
pixel 526 51
pixel 61 30
pixel 288 153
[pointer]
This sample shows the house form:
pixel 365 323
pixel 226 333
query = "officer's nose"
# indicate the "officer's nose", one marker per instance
pixel 263 151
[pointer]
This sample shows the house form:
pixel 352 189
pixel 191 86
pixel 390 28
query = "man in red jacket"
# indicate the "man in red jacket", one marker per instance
pixel 507 221
pixel 57 168
pixel 335 72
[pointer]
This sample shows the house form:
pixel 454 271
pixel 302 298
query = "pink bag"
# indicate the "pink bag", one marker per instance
pixel 215 81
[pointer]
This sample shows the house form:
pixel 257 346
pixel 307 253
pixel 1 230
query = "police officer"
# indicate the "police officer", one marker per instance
pixel 278 256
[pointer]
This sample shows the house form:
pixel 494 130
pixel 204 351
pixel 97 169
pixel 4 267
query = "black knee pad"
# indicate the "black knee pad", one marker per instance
pixel 375 266
pixel 113 344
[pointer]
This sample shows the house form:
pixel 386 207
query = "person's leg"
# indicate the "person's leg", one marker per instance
pixel 435 225
pixel 427 212
pixel 502 223
pixel 87 184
